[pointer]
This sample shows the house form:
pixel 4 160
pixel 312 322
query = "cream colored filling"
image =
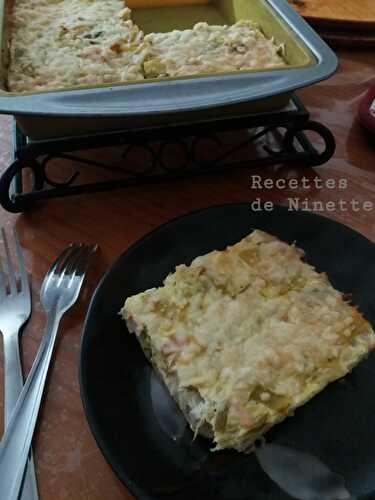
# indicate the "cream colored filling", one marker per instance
pixel 65 43
pixel 254 330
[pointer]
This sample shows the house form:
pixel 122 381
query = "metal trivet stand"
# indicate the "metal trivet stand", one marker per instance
pixel 287 128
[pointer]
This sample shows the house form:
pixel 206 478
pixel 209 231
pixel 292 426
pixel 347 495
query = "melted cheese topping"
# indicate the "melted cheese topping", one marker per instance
pixel 210 49
pixel 65 43
pixel 254 330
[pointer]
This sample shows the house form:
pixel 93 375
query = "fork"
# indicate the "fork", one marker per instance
pixel 15 309
pixel 59 291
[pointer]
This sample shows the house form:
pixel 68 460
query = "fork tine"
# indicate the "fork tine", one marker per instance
pixel 70 266
pixel 66 265
pixel 65 258
pixel 25 288
pixel 10 269
pixel 56 264
pixel 85 251
pixel 83 261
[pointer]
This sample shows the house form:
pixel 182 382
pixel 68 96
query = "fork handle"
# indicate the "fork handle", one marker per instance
pixel 15 446
pixel 13 379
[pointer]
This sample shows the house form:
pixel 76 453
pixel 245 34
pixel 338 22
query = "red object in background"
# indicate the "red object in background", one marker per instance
pixel 366 113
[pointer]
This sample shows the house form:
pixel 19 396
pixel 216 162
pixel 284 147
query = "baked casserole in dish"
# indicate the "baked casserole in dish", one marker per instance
pixel 244 336
pixel 66 43
pixel 65 62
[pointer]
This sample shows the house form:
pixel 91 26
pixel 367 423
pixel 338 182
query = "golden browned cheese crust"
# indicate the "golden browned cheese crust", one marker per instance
pixel 210 49
pixel 244 336
pixel 67 43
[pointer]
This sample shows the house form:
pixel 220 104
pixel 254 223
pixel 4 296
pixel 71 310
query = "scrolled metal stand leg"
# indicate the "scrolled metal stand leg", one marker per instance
pixel 13 201
pixel 315 157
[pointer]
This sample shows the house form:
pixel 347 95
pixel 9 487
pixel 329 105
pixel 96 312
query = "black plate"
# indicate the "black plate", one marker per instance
pixel 337 426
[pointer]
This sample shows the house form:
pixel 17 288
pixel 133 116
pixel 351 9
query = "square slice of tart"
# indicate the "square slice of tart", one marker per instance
pixel 243 337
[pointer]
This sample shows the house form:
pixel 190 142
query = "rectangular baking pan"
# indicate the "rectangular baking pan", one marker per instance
pixel 82 110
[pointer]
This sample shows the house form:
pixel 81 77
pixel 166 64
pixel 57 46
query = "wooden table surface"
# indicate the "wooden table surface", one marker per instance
pixel 69 464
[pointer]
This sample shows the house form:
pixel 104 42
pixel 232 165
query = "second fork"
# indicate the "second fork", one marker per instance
pixel 15 309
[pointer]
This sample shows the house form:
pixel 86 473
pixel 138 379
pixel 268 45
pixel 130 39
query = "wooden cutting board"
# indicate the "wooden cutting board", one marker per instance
pixel 351 14
pixel 348 40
